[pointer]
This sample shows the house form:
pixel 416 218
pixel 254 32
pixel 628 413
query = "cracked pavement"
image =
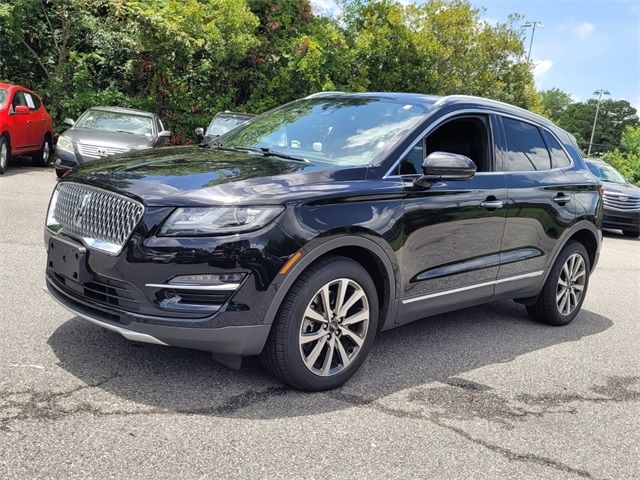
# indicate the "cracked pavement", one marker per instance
pixel 479 393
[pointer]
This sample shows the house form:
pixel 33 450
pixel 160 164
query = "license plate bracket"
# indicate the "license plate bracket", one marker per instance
pixel 68 259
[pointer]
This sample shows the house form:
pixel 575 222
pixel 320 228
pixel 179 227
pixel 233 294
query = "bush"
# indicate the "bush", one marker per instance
pixel 627 159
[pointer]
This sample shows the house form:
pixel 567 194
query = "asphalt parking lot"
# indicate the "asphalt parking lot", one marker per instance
pixel 480 393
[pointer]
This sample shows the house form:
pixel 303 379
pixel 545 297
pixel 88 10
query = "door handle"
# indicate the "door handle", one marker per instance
pixel 562 199
pixel 492 203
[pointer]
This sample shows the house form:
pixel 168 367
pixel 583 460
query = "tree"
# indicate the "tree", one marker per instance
pixel 554 102
pixel 627 159
pixel 440 47
pixel 613 117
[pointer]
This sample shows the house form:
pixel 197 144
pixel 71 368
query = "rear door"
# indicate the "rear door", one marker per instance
pixel 38 119
pixel 540 204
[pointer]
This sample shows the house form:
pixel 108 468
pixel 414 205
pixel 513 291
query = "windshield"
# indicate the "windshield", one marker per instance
pixel 345 130
pixel 220 125
pixel 116 122
pixel 606 172
pixel 3 96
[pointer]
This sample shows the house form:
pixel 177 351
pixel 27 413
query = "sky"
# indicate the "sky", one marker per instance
pixel 583 46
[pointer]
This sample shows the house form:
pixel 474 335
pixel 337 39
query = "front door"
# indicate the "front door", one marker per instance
pixel 453 230
pixel 20 123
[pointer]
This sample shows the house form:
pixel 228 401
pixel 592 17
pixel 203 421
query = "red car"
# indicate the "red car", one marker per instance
pixel 25 126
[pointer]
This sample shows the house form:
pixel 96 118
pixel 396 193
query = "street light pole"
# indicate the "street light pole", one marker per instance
pixel 600 92
pixel 533 32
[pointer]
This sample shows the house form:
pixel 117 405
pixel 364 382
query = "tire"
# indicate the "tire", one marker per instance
pixel 60 173
pixel 5 154
pixel 631 233
pixel 43 157
pixel 286 345
pixel 552 306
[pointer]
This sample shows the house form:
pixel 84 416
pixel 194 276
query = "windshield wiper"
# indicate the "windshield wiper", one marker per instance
pixel 125 131
pixel 266 151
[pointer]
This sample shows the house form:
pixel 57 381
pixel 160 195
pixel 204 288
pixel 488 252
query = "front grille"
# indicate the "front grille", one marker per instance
pixel 621 201
pixel 104 220
pixel 99 151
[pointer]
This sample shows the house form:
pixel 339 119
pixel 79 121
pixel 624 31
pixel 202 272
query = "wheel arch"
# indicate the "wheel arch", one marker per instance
pixel 587 234
pixel 363 250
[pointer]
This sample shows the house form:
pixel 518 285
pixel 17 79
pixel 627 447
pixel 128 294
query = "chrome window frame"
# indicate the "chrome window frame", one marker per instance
pixel 432 126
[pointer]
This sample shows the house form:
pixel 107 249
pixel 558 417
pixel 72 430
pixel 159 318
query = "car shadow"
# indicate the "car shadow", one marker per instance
pixel 611 233
pixel 22 164
pixel 188 381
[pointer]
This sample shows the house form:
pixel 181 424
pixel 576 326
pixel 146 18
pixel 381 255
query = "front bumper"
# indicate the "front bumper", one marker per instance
pixel 231 340
pixel 621 219
pixel 127 293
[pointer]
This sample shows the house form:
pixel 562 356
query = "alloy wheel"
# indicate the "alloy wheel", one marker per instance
pixel 334 327
pixel 4 154
pixel 46 152
pixel 571 284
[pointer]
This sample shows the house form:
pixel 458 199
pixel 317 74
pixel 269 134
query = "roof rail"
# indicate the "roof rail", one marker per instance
pixel 321 94
pixel 451 98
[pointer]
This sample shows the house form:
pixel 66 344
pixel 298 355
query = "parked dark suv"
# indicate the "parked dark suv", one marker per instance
pixel 302 234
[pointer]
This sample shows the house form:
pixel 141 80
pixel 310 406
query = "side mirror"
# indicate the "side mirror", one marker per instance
pixel 164 134
pixel 21 109
pixel 69 121
pixel 445 166
pixel 199 132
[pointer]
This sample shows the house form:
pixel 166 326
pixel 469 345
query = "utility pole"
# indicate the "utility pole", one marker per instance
pixel 533 32
pixel 600 93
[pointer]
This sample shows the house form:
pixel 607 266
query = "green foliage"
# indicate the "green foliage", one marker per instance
pixel 554 102
pixel 188 59
pixel 613 118
pixel 627 161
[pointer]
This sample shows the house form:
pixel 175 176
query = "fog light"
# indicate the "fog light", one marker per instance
pixel 207 279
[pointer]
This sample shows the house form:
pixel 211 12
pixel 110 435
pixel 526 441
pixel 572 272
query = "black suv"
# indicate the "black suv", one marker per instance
pixel 302 234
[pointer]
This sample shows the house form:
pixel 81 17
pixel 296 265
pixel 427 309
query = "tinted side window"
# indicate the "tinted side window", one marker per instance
pixel 526 151
pixel 559 159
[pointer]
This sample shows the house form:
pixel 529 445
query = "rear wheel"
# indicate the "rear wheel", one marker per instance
pixel 325 326
pixel 563 292
pixel 5 154
pixel 631 233
pixel 43 157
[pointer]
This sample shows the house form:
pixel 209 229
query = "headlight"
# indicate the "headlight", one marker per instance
pixel 187 222
pixel 52 223
pixel 64 143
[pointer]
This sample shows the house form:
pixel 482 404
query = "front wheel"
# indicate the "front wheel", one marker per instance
pixel 563 293
pixel 43 157
pixel 325 326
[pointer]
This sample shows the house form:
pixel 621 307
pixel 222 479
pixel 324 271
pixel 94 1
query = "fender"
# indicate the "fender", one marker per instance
pixel 311 254
pixel 578 226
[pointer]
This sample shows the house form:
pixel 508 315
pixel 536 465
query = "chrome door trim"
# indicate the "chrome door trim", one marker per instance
pixel 537 273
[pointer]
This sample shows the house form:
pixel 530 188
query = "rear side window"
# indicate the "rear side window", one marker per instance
pixel 526 150
pixel 559 158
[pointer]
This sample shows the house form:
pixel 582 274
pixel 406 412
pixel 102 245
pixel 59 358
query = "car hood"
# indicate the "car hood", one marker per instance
pixel 196 176
pixel 623 189
pixel 102 138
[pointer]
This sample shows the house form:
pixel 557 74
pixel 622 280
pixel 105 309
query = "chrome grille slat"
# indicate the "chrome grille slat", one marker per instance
pixel 628 203
pixel 96 215
pixel 99 151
